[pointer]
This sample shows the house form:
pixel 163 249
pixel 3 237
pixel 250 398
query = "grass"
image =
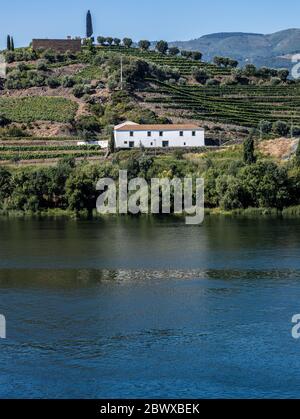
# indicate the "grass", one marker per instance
pixel 36 108
pixel 89 73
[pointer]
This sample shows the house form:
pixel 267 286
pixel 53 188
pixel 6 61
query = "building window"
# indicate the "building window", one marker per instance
pixel 149 133
pixel 125 142
pixel 181 133
pixel 131 133
pixel 184 143
pixel 151 144
pixel 194 133
pixel 161 133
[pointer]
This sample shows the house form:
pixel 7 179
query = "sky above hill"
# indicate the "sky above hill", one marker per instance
pixel 154 19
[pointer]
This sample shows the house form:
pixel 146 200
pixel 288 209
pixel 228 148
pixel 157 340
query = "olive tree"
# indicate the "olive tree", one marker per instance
pixel 144 44
pixel 162 47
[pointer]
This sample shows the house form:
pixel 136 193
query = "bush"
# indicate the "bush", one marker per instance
pixel 68 81
pixel 42 66
pixel 53 82
pixel 266 127
pixel 88 123
pixel 200 75
pixel 281 128
pixel 81 89
pixel 10 57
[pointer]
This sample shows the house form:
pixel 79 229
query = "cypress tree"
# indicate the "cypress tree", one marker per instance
pixel 89 25
pixel 111 143
pixel 8 43
pixel 249 156
pixel 298 155
pixel 12 44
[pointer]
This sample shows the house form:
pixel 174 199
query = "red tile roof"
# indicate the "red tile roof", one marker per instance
pixel 161 127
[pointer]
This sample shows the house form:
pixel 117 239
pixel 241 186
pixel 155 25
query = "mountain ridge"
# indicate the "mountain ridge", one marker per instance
pixel 271 50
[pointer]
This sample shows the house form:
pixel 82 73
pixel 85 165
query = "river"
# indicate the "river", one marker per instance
pixel 144 308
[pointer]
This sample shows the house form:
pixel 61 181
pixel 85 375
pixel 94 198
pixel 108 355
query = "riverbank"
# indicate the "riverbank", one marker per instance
pixel 288 212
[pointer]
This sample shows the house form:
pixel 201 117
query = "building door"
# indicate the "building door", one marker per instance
pixel 165 144
pixel 131 144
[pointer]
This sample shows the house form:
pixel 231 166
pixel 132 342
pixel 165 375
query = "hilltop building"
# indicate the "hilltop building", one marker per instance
pixel 59 45
pixel 132 135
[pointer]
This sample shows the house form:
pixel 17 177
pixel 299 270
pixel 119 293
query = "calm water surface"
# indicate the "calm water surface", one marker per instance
pixel 134 308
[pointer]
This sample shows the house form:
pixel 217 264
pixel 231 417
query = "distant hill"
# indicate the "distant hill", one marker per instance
pixel 273 50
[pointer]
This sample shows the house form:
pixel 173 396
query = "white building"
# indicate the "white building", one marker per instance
pixel 132 135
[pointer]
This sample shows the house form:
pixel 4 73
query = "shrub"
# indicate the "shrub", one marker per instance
pixel 200 75
pixel 10 57
pixel 68 81
pixel 42 66
pixel 88 123
pixel 281 128
pixel 265 127
pixel 53 82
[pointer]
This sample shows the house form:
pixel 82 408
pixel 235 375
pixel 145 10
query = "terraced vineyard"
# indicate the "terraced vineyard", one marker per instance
pixel 35 108
pixel 238 105
pixel 184 65
pixel 38 149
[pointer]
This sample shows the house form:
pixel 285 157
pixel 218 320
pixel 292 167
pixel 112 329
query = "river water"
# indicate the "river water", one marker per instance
pixel 144 308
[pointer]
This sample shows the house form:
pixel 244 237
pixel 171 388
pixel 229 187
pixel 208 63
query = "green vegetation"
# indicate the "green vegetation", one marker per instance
pixel 240 105
pixel 230 184
pixel 36 108
pixel 89 25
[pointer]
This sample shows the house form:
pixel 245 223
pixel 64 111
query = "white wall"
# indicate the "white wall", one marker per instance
pixel 102 144
pixel 122 139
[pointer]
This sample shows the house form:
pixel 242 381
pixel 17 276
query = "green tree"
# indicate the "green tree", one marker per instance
pixel 232 63
pixel 265 127
pixel 101 40
pixel 197 55
pixel 283 74
pixel 200 75
pixel 12 44
pixel 117 41
pixel 162 47
pixel 297 157
pixel 111 144
pixel 174 51
pixel 218 61
pixel 5 185
pixel 266 185
pixel 109 40
pixel 281 128
pixel 186 54
pixel 250 70
pixel 144 44
pixel 127 42
pixel 249 156
pixel 89 25
pixel 8 43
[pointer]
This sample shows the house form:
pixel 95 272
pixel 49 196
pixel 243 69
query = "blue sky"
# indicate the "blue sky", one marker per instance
pixel 153 19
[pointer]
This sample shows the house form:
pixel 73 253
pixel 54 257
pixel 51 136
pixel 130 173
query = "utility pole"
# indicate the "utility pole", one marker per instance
pixel 121 72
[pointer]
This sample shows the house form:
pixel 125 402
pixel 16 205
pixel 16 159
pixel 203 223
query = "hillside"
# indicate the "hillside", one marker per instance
pixel 50 101
pixel 271 50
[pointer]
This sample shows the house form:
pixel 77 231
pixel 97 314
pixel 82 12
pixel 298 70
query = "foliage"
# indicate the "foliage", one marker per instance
pixel 144 45
pixel 37 108
pixel 162 47
pixel 127 42
pixel 89 25
pixel 249 156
